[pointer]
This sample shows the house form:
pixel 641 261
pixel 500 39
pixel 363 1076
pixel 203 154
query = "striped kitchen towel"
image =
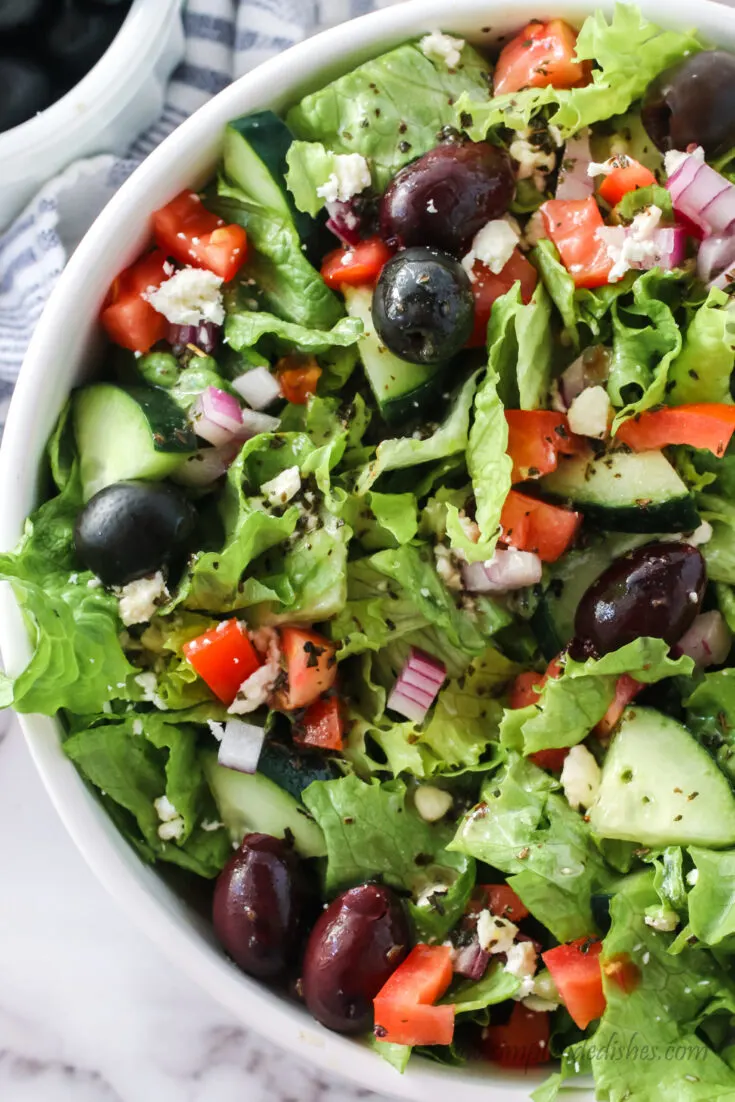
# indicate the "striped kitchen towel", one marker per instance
pixel 224 39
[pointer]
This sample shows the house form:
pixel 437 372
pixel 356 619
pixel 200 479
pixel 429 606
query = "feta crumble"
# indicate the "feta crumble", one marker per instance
pixel 580 777
pixel 283 487
pixel 701 535
pixel 533 163
pixel 211 824
pixel 495 934
pixel 351 175
pixel 432 803
pixel 663 920
pixel 692 877
pixel 256 689
pixel 634 247
pixel 165 810
pixel 140 600
pixel 606 168
pixel 493 246
pixel 447 567
pixel 442 47
pixel 172 824
pixel 521 963
pixel 189 297
pixel 589 413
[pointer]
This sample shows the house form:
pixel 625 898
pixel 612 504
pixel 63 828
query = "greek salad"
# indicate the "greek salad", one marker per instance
pixel 386 580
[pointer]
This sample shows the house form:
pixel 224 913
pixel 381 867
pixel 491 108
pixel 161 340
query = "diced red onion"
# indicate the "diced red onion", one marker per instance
pixel 725 281
pixel 472 961
pixel 259 387
pixel 417 685
pixel 708 640
pixel 715 257
pixel 206 465
pixel 241 746
pixel 574 180
pixel 506 570
pixel 703 195
pixel 670 248
pixel 344 221
pixel 216 416
pixel 205 336
pixel 253 423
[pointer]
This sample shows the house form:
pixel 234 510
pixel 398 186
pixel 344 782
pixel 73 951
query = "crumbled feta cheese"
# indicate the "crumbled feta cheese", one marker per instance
pixel 442 47
pixel 580 777
pixel 283 487
pixel 447 567
pixel 170 831
pixel 351 175
pixel 675 158
pixel 137 727
pixel 94 583
pixel 662 920
pixel 692 877
pixel 533 163
pixel 189 297
pixel 140 600
pixel 589 413
pixel 216 729
pixel 149 683
pixel 633 247
pixel 431 207
pixel 605 168
pixel 165 810
pixel 496 935
pixel 493 246
pixel 211 824
pixel 701 535
pixel 256 689
pixel 521 960
pixel 432 803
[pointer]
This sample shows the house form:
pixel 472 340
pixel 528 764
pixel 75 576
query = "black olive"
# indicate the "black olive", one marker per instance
pixel 693 102
pixel 423 307
pixel 131 529
pixel 25 89
pixel 77 39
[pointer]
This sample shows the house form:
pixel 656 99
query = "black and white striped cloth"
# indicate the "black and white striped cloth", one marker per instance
pixel 224 39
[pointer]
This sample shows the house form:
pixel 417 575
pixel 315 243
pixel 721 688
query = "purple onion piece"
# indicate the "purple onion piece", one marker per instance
pixel 204 336
pixel 345 221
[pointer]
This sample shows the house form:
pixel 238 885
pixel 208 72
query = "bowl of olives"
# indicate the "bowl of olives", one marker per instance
pixel 78 77
pixel 262 942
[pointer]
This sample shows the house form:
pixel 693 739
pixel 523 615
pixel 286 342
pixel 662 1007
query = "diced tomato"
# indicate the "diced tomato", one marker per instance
pixel 575 969
pixel 128 319
pixel 523 1042
pixel 487 288
pixel 322 725
pixel 626 689
pixel 629 176
pixel 623 972
pixel 552 759
pixel 298 376
pixel 526 689
pixel 355 265
pixel 186 230
pixel 311 667
pixel 536 439
pixel 572 225
pixel 704 425
pixel 503 901
pixel 404 1010
pixel 224 657
pixel 532 525
pixel 541 54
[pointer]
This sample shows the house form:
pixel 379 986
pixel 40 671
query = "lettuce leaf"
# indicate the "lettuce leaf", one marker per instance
pixel 701 373
pixel 372 830
pixel 712 899
pixel 244 328
pixel 719 551
pixel 710 716
pixel 629 52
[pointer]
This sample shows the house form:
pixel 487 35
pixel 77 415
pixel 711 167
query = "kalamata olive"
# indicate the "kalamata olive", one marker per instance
pixel 131 529
pixel 355 946
pixel 423 307
pixel 693 101
pixel 446 196
pixel 25 89
pixel 259 906
pixel 77 39
pixel 655 590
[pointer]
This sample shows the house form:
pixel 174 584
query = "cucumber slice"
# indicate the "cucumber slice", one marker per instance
pixel 138 432
pixel 251 802
pixel 661 788
pixel 294 770
pixel 626 492
pixel 401 389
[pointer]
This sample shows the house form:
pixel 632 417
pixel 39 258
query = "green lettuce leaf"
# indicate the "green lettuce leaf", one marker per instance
pixel 629 52
pixel 495 987
pixel 246 327
pixel 711 716
pixel 372 107
pixel 719 551
pixel 524 826
pixel 701 373
pixel 643 197
pixel 372 830
pixel 712 899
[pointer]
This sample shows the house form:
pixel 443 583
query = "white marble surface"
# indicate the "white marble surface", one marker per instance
pixel 89 1009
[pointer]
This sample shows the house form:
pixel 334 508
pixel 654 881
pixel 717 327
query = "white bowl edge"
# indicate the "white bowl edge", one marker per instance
pixel 56 360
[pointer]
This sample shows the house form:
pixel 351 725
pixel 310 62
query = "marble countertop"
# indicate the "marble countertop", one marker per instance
pixel 89 1009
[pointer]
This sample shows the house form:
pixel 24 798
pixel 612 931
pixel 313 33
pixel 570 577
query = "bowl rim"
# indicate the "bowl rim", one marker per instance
pixel 113 861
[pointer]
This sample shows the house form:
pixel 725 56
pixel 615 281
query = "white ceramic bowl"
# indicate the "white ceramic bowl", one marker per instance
pixel 113 103
pixel 59 357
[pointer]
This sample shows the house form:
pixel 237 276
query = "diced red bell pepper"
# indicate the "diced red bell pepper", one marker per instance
pixel 186 230
pixel 355 265
pixel 529 524
pixel 224 657
pixel 503 901
pixel 523 1042
pixel 488 287
pixel 404 1010
pixel 703 425
pixel 629 176
pixel 322 725
pixel 572 225
pixel 298 376
pixel 536 439
pixel 626 689
pixel 541 54
pixel 575 969
pixel 311 667
pixel 128 319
